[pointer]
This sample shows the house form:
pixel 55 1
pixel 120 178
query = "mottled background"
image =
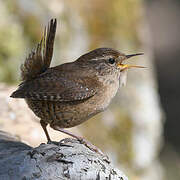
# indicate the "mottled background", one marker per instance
pixel 140 130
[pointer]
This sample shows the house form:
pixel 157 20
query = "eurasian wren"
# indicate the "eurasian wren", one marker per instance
pixel 69 94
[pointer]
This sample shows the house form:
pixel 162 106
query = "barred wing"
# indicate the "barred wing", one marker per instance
pixel 61 89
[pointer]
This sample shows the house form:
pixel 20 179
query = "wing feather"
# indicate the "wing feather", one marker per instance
pixel 62 89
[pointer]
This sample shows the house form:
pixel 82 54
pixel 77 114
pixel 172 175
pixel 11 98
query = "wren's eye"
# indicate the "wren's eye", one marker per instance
pixel 111 60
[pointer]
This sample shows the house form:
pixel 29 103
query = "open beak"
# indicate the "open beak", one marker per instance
pixel 128 66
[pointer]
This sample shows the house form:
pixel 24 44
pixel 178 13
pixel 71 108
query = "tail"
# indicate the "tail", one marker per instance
pixel 39 59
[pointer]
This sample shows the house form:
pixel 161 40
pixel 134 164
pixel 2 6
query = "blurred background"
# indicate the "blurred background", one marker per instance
pixel 140 130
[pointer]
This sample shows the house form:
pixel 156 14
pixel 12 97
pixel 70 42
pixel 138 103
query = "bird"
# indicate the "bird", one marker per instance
pixel 67 95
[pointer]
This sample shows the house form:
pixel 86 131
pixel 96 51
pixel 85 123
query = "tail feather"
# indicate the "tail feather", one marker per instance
pixel 51 31
pixel 39 59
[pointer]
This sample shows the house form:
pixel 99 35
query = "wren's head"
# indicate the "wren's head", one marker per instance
pixel 107 61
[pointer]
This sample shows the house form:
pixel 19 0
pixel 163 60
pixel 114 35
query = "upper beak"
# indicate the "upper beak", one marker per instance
pixel 131 55
pixel 127 66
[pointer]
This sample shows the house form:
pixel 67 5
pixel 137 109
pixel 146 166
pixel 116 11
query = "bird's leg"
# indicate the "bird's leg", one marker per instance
pixel 81 139
pixel 44 126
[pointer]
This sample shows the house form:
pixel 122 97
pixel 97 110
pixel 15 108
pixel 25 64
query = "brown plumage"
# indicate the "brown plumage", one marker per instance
pixel 69 94
pixel 39 60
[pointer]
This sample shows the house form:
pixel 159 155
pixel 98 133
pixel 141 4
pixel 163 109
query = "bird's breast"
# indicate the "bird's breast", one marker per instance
pixel 107 93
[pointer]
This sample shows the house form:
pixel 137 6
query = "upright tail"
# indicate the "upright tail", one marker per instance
pixel 39 59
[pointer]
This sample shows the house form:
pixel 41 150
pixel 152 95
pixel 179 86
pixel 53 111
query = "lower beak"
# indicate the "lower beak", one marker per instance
pixel 128 66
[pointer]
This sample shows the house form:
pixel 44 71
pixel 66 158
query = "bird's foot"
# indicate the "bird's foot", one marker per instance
pixel 82 141
pixel 60 143
pixel 91 146
pixel 53 142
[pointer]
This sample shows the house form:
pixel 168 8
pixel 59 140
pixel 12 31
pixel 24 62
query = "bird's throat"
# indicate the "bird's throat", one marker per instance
pixel 123 78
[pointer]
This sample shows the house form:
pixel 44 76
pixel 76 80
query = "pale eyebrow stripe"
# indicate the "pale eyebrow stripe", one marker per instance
pixel 102 57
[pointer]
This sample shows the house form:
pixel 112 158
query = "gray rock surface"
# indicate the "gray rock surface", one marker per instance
pixel 66 160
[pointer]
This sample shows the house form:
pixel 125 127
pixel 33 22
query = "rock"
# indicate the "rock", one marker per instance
pixel 68 159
